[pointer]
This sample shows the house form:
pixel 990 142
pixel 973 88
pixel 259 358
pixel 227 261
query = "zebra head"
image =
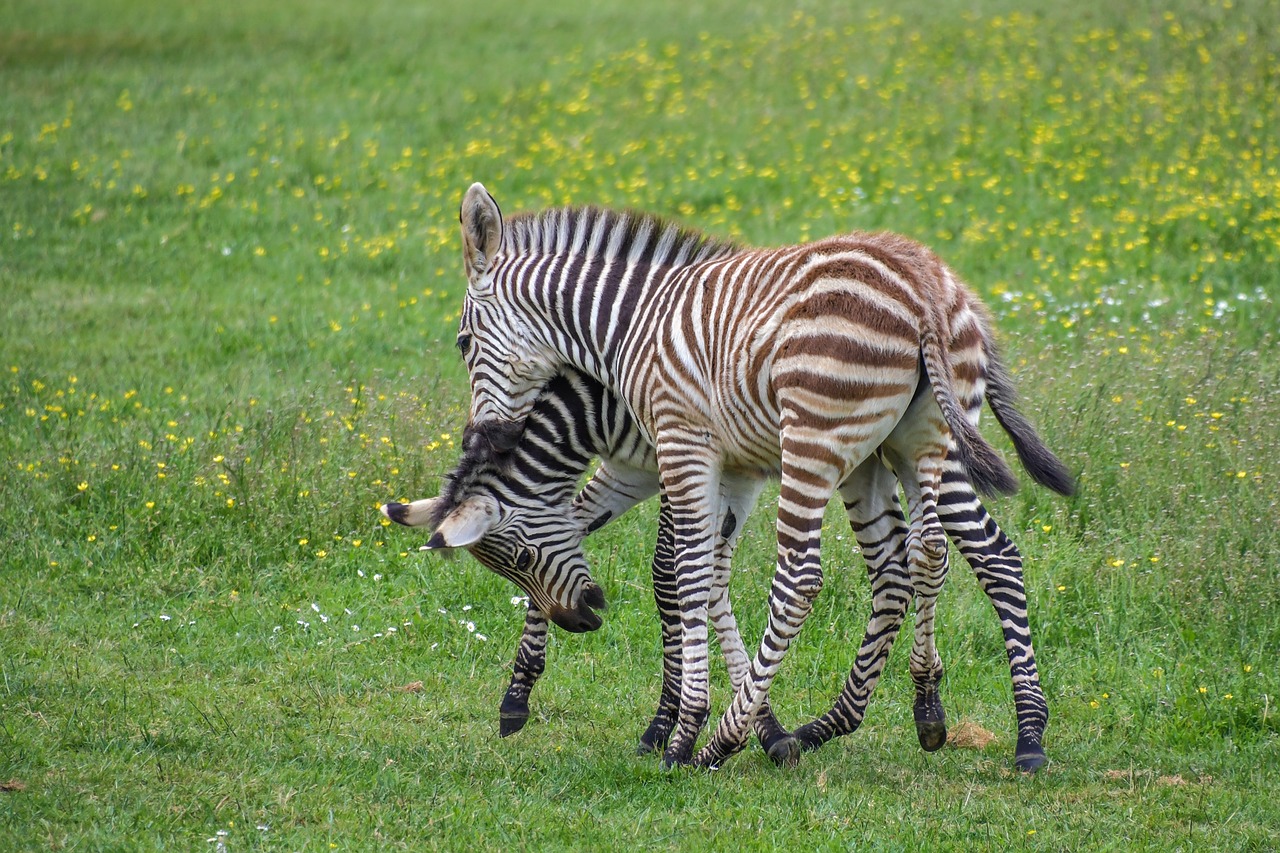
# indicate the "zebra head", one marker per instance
pixel 506 366
pixel 537 550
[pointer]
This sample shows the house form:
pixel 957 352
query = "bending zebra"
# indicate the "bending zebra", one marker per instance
pixel 534 531
pixel 734 362
pixel 517 515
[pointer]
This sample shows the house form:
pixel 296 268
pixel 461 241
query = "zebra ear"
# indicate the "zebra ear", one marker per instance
pixel 415 514
pixel 466 524
pixel 481 230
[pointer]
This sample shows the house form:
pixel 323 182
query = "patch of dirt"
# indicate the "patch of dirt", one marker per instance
pixel 13 785
pixel 967 735
pixel 411 687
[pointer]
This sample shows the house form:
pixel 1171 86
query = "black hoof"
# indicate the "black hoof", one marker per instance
pixel 1029 758
pixel 932 735
pixel 784 752
pixel 931 721
pixel 810 737
pixel 649 747
pixel 655 737
pixel 509 724
pixel 674 758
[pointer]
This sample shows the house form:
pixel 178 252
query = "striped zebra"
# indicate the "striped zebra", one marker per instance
pixel 735 362
pixel 518 516
pixel 576 419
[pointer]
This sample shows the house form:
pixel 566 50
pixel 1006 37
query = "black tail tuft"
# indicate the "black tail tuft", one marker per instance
pixel 987 471
pixel 1041 463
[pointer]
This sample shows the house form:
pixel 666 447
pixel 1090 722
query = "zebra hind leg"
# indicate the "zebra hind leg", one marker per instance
pixel 997 564
pixel 871 502
pixel 928 556
pixel 921 476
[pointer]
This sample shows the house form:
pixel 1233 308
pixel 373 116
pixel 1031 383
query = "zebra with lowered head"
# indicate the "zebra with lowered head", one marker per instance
pixel 733 362
pixel 517 515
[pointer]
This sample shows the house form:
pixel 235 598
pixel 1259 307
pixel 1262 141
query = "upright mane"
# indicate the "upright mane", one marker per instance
pixel 611 235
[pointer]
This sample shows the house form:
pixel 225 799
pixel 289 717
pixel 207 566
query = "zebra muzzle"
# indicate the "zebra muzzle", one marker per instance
pixel 582 618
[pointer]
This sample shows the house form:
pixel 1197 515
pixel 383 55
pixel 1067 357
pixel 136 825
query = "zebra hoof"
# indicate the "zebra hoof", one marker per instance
pixel 509 724
pixel 931 721
pixel 655 737
pixel 810 737
pixel 676 757
pixel 932 735
pixel 784 752
pixel 1029 758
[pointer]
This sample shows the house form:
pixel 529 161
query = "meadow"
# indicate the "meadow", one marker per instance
pixel 231 277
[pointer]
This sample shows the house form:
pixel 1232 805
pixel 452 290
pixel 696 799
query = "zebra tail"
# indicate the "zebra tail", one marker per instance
pixel 1041 463
pixel 986 470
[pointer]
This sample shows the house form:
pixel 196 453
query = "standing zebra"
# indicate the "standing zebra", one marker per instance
pixel 532 532
pixel 800 360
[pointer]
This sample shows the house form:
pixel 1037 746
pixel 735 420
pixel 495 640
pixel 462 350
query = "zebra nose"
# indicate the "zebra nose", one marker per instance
pixel 583 618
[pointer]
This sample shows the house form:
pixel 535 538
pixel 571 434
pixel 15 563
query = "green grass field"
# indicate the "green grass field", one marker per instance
pixel 230 274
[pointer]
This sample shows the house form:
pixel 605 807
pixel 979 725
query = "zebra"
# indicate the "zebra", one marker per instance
pixel 575 418
pixel 734 362
pixel 518 516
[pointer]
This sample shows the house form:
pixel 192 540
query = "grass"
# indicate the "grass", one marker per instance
pixel 229 261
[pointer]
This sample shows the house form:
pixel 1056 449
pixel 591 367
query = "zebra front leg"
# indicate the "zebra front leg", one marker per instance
pixel 997 564
pixel 740 496
pixel 871 502
pixel 655 737
pixel 530 661
pixel 689 473
pixel 613 489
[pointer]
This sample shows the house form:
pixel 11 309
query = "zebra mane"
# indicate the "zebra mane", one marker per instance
pixel 480 462
pixel 612 235
pixel 550 423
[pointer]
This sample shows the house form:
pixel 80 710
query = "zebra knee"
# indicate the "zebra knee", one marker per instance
pixel 808 584
pixel 933 542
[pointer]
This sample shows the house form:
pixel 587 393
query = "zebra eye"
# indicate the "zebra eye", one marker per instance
pixel 464 344
pixel 524 559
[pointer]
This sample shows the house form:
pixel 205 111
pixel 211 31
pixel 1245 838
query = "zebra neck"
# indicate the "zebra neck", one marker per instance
pixel 600 277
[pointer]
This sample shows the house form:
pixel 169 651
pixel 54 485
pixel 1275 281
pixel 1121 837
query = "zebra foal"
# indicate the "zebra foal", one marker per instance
pixel 516 513
pixel 735 363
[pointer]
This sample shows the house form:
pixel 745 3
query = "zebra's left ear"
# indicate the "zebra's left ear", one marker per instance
pixel 466 524
pixel 481 230
pixel 415 514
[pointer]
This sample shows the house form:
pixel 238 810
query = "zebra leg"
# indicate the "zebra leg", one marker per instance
pixel 740 496
pixel 690 482
pixel 531 660
pixel 655 737
pixel 927 563
pixel 997 564
pixel 807 485
pixel 611 491
pixel 871 502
